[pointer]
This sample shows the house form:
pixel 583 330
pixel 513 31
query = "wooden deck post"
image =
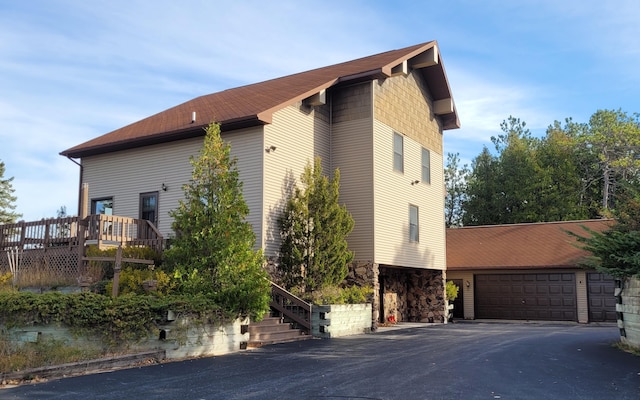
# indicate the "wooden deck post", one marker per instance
pixel 116 271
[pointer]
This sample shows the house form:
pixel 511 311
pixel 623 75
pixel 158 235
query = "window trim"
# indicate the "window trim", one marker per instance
pixel 95 201
pixel 414 227
pixel 157 208
pixel 427 166
pixel 398 155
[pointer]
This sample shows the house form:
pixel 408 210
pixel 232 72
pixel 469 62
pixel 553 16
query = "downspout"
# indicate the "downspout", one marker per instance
pixel 79 186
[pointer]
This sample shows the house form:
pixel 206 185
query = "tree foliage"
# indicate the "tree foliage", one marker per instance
pixel 573 172
pixel 7 199
pixel 314 228
pixel 455 178
pixel 616 251
pixel 213 250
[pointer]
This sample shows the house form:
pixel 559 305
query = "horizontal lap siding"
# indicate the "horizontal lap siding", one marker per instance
pixel 403 104
pixel 125 174
pixel 298 135
pixel 352 145
pixel 393 195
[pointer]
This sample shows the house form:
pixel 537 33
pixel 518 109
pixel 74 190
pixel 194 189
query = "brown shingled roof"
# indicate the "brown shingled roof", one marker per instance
pixel 518 246
pixel 254 104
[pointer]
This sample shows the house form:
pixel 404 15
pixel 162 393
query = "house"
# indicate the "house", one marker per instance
pixel 527 272
pixel 379 119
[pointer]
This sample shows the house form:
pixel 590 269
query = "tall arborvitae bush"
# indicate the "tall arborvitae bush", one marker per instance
pixel 213 250
pixel 314 228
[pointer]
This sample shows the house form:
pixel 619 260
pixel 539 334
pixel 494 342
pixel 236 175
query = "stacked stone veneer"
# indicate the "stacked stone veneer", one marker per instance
pixel 418 293
pixel 628 309
pixel 411 294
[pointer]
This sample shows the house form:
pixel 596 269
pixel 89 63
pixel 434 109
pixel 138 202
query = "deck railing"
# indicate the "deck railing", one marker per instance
pixel 55 247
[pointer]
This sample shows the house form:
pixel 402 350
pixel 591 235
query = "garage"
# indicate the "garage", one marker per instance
pixel 526 296
pixel 602 303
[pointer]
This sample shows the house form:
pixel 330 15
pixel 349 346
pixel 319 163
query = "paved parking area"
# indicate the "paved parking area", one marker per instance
pixel 464 360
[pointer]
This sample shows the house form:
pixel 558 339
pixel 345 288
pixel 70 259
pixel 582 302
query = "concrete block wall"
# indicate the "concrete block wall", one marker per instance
pixel 179 339
pixel 335 320
pixel 628 309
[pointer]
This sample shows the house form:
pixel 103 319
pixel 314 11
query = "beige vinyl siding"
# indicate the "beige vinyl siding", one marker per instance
pixel 125 174
pixel 298 135
pixel 247 147
pixel 352 144
pixel 393 193
pixel 582 297
pixel 467 291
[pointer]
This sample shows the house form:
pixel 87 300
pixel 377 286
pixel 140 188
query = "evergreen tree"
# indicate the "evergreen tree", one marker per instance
pixel 213 250
pixel 616 251
pixel 314 228
pixel 455 180
pixel 7 200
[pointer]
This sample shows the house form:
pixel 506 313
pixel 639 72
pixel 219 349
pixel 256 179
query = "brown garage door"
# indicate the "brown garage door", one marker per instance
pixel 602 303
pixel 547 297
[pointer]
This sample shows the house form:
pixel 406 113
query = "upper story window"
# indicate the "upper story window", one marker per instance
pixel 414 227
pixel 426 166
pixel 398 152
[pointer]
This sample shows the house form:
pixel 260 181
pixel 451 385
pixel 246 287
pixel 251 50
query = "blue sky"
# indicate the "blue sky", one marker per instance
pixel 72 70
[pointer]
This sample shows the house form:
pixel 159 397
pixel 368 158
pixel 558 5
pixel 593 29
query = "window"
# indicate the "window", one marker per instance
pixel 102 206
pixel 398 152
pixel 426 166
pixel 414 228
pixel 149 207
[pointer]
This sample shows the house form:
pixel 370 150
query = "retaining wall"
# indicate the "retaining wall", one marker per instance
pixel 335 320
pixel 628 309
pixel 179 339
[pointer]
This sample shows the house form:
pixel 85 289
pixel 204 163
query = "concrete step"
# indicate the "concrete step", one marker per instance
pixel 268 340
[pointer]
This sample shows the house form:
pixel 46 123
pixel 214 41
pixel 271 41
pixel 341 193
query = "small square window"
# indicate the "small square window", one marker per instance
pixel 398 152
pixel 414 228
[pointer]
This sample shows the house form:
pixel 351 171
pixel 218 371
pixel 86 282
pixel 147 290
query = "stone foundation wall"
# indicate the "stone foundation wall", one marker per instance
pixel 365 273
pixel 418 294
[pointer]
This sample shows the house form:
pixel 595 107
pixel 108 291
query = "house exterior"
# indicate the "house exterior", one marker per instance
pixel 527 272
pixel 379 119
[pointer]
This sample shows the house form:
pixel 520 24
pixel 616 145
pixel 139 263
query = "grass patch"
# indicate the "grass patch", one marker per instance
pixel 16 357
pixel 627 348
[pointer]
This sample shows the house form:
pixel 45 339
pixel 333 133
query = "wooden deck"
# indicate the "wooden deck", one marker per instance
pixel 56 247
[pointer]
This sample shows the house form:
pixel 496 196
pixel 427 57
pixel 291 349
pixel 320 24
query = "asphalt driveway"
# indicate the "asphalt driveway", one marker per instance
pixel 465 360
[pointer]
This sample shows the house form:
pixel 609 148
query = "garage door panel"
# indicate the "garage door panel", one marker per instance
pixel 602 303
pixel 549 296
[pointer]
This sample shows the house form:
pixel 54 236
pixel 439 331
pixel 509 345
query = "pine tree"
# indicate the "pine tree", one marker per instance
pixel 7 200
pixel 314 228
pixel 213 250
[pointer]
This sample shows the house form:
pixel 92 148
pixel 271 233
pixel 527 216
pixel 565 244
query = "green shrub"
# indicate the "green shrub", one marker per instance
pixel 106 267
pixel 451 290
pixel 118 320
pixel 132 280
pixel 338 295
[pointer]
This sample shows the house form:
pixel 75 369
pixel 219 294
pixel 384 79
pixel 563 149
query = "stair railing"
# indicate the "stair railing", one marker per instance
pixel 291 306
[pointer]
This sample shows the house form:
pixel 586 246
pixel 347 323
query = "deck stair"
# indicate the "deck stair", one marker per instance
pixel 290 320
pixel 272 330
